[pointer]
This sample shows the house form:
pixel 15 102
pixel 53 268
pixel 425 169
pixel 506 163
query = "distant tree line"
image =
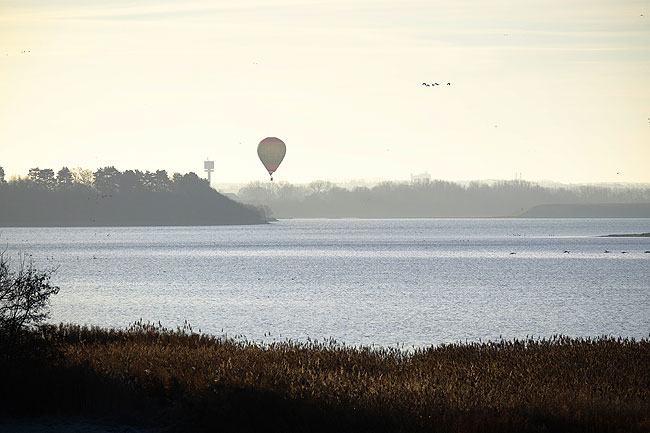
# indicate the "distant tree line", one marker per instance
pixel 435 198
pixel 112 197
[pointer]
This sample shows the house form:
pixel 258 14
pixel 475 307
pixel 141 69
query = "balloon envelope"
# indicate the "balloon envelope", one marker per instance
pixel 271 151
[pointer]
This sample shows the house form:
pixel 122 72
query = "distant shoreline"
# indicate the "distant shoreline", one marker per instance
pixel 108 225
pixel 194 205
pixel 77 224
pixel 627 235
pixel 603 210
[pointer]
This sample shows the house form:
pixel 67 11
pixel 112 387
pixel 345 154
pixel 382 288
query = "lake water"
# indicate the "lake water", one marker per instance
pixel 362 282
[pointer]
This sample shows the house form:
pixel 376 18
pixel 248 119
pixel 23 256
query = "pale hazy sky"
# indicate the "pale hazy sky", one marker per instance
pixel 553 89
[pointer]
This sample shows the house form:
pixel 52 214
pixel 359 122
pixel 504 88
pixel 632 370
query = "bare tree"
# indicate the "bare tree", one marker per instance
pixel 320 186
pixel 24 296
pixel 82 176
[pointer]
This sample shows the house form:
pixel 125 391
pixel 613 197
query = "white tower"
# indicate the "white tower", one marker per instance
pixel 208 166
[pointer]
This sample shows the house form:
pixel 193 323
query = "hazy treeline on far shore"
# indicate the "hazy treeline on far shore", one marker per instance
pixel 80 197
pixel 439 198
pixel 133 197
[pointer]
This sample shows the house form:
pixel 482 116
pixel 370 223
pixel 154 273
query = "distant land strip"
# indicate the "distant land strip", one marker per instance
pixel 628 235
pixel 604 210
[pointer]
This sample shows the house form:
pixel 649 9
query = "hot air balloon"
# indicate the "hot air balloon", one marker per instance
pixel 271 151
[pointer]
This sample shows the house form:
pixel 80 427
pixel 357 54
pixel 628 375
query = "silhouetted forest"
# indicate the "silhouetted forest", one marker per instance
pixel 109 197
pixel 440 198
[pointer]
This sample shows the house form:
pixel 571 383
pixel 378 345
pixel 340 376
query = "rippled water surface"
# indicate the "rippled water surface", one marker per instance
pixel 371 282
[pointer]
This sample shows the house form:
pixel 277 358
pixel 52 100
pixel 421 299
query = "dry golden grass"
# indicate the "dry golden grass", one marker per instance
pixel 558 384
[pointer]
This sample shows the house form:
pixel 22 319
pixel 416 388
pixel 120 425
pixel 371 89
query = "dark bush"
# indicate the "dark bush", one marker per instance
pixel 24 296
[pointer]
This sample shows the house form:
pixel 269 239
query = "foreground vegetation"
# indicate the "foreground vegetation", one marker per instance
pixel 190 382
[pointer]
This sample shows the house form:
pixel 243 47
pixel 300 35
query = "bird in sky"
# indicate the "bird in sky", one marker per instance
pixel 434 84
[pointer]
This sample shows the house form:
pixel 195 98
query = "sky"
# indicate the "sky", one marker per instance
pixel 552 89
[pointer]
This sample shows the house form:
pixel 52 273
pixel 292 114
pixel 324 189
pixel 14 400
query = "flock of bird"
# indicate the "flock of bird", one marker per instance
pixel 433 84
pixel 606 252
pixel 425 84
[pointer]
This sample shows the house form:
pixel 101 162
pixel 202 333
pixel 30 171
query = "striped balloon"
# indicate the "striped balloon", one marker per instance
pixel 271 151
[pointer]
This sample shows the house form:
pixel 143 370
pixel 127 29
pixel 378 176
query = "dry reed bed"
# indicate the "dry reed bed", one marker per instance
pixel 557 384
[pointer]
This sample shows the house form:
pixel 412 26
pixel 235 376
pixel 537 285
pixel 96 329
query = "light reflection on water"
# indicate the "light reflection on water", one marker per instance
pixel 383 282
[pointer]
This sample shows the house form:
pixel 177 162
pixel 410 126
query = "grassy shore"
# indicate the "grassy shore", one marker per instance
pixel 184 381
